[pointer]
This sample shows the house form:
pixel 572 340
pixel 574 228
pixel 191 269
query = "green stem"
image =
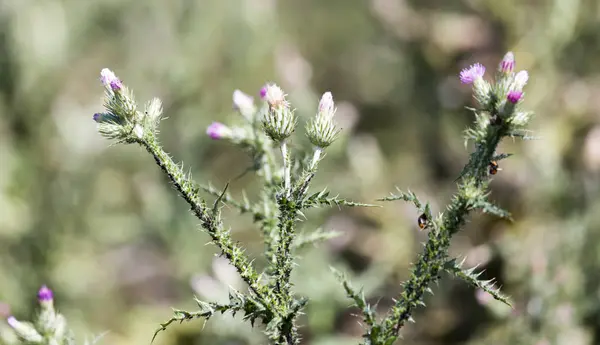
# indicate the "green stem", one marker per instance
pixel 286 168
pixel 283 261
pixel 431 260
pixel 221 238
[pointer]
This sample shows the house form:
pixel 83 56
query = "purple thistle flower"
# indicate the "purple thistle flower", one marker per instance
pixel 218 131
pixel 263 92
pixel 469 75
pixel 508 63
pixel 514 96
pixel 45 294
pixel 109 79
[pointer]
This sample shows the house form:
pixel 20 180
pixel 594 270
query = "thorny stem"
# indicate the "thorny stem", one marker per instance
pixel 219 236
pixel 431 260
pixel 286 168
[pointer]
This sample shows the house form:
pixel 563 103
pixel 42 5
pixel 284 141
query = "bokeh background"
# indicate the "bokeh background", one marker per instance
pixel 102 227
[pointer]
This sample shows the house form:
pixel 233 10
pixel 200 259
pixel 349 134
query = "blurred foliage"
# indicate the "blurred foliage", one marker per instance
pixel 104 229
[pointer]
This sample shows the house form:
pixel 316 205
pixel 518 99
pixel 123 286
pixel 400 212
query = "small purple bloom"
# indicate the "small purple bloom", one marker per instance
pixel 97 116
pixel 263 92
pixel 514 96
pixel 109 79
pixel 12 322
pixel 45 294
pixel 508 63
pixel 469 75
pixel 218 131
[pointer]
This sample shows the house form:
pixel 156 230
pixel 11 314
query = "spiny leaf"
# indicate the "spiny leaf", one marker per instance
pixel 471 277
pixel 315 237
pixel 490 208
pixel 408 196
pixel 357 297
pixel 322 198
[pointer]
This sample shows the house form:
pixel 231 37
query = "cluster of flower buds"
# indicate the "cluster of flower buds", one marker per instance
pixel 508 89
pixel 50 326
pixel 121 119
pixel 279 121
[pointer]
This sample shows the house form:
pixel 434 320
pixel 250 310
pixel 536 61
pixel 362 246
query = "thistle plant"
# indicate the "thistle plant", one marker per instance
pixel 497 116
pixel 48 328
pixel 264 132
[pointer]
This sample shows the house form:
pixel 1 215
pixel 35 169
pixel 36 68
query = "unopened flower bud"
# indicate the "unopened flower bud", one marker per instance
pixel 263 92
pixel 244 104
pixel 326 105
pixel 321 130
pixel 521 79
pixel 514 96
pixel 45 297
pixel 507 65
pixel 474 72
pixel 24 330
pixel 218 131
pixel 110 80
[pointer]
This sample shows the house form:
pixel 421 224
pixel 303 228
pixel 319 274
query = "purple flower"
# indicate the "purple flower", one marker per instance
pixel 109 79
pixel 514 96
pixel 508 63
pixel 218 131
pixel 45 294
pixel 469 75
pixel 263 92
pixel 274 95
pixel 97 116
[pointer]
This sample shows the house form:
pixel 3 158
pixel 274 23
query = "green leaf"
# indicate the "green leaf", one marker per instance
pixel 471 277
pixel 358 298
pixel 322 198
pixel 314 237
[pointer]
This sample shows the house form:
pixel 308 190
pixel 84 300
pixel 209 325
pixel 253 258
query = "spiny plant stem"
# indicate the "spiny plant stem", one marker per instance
pixel 286 168
pixel 283 264
pixel 188 190
pixel 431 261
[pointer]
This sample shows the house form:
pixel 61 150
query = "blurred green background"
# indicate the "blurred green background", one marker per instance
pixel 103 228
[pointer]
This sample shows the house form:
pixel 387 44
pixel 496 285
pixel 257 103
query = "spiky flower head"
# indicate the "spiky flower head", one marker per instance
pixel 474 72
pixel 279 122
pixel 321 130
